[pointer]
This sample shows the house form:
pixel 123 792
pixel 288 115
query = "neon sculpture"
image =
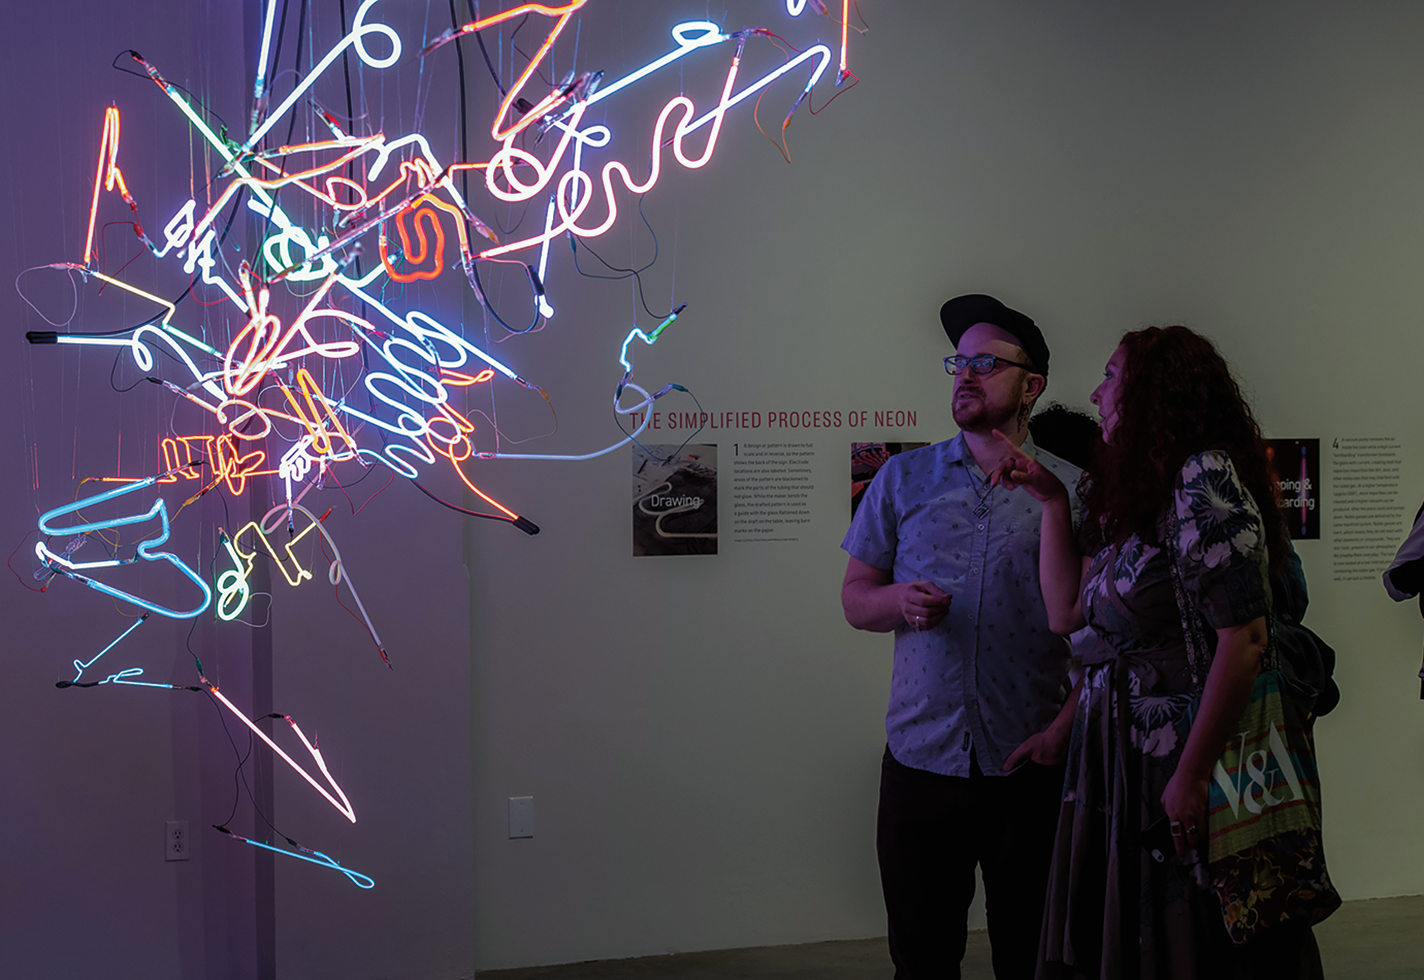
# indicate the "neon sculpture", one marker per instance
pixel 348 389
pixel 122 677
pixel 79 571
pixel 344 806
pixel 305 854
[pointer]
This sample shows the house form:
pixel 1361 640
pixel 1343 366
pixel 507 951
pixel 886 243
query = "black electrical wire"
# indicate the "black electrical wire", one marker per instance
pixel 115 368
pixel 485 51
pixel 227 514
pixel 537 72
pixel 464 154
pixel 277 52
pixel 471 513
pixel 148 78
pixel 301 38
pixel 523 212
pixel 479 36
pixel 369 468
pixel 679 449
pixel 346 72
pixel 351 119
pixel 475 271
pixel 464 117
pixel 292 121
pixel 241 760
pixel 635 274
pixel 515 33
pixel 239 776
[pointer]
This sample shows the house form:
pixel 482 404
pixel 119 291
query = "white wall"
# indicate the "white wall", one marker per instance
pixel 701 738
pixel 701 735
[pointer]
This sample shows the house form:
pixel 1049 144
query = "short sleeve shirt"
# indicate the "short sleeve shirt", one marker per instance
pixel 992 673
pixel 1404 574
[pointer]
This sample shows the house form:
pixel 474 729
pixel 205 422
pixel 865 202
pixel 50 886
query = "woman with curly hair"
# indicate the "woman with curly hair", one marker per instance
pixel 1181 474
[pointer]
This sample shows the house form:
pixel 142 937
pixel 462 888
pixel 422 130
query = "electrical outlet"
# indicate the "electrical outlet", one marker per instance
pixel 521 817
pixel 175 841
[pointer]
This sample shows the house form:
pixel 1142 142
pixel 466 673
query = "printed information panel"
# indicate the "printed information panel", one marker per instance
pixel 1368 517
pixel 772 484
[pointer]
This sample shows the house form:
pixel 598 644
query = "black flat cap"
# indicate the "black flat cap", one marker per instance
pixel 962 312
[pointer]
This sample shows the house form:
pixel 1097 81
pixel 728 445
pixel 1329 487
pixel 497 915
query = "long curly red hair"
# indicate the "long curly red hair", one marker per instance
pixel 1176 398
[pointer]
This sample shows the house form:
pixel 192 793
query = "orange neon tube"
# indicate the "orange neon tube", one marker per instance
pixel 845 29
pixel 108 174
pixel 426 203
pixel 482 495
pixel 552 99
pixel 315 424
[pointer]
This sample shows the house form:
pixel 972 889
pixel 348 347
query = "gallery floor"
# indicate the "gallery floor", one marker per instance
pixel 1379 939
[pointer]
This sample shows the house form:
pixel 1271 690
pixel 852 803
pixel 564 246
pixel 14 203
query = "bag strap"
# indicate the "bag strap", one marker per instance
pixel 1199 651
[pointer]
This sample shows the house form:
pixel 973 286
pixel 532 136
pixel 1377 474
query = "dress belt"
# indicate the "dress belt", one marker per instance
pixel 1146 664
pixel 1143 663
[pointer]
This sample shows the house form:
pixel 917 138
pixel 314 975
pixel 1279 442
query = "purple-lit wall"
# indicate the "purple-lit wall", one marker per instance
pixel 93 775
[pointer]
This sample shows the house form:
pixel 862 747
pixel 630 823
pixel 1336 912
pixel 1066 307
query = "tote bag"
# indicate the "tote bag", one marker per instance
pixel 1265 856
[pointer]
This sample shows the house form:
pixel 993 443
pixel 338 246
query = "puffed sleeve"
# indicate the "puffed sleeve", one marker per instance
pixel 1222 541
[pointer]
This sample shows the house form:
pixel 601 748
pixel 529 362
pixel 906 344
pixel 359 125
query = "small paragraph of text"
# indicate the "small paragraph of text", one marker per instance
pixel 771 490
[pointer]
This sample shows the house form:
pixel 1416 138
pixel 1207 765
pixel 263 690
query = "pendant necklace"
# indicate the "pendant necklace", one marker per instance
pixel 984 501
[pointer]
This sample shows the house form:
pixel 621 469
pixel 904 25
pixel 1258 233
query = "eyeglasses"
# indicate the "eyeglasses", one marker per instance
pixel 983 364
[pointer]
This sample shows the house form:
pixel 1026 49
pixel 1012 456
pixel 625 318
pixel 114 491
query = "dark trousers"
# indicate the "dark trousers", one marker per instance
pixel 932 831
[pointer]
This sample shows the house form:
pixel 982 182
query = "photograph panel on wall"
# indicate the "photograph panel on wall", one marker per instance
pixel 866 458
pixel 1297 463
pixel 675 499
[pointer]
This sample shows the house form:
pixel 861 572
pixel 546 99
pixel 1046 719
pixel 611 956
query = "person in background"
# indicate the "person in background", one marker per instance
pixel 1404 579
pixel 1181 474
pixel 975 729
pixel 1065 432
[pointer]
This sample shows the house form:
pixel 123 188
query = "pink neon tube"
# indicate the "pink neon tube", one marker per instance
pixel 344 807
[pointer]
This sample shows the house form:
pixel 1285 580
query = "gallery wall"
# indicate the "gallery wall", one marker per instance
pixel 700 734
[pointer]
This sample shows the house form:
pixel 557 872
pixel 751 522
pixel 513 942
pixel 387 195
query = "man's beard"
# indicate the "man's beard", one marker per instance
pixel 977 415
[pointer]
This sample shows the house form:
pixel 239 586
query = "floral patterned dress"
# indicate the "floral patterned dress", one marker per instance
pixel 1108 899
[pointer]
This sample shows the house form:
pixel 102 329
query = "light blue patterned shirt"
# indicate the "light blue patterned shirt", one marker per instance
pixel 992 673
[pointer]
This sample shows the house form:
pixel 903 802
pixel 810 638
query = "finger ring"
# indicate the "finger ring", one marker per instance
pixel 917 622
pixel 1191 830
pixel 1175 828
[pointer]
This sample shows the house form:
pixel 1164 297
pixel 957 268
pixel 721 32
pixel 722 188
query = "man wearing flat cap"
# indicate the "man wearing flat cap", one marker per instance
pixel 976 729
